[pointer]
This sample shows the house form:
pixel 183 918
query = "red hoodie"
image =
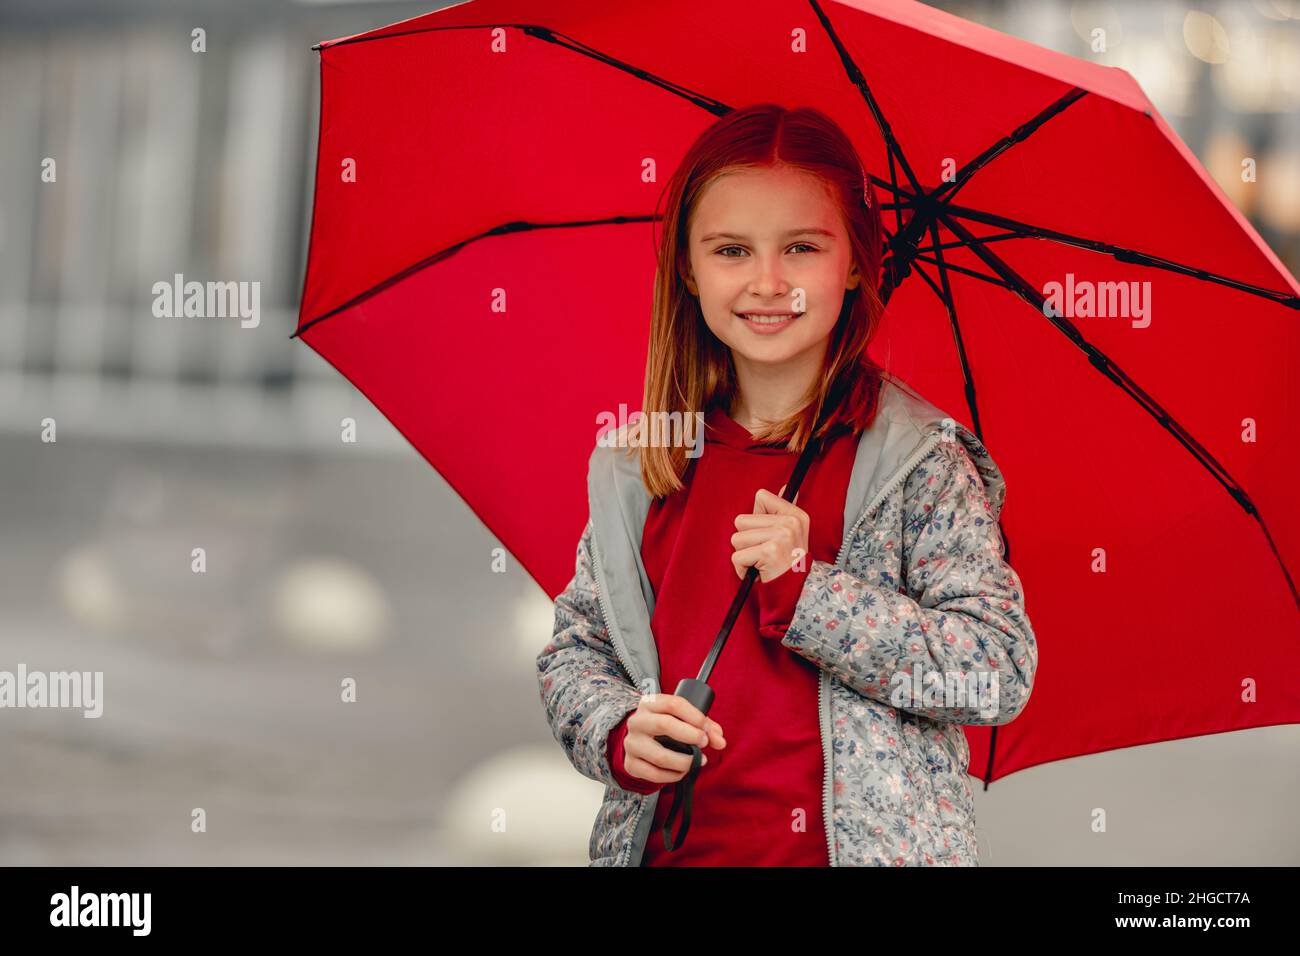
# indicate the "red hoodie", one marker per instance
pixel 758 802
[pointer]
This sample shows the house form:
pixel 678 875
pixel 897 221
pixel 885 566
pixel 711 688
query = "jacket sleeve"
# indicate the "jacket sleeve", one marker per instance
pixel 583 686
pixel 962 614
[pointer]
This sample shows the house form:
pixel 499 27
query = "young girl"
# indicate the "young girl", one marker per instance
pixel 883 578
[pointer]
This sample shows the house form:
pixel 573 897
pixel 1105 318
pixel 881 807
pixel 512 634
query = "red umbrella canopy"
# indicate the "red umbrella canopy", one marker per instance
pixel 1063 277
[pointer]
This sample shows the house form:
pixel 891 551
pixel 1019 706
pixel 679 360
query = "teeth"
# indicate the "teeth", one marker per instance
pixel 769 319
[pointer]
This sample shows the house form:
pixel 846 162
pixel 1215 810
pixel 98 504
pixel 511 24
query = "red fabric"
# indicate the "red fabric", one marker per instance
pixel 439 134
pixel 766 694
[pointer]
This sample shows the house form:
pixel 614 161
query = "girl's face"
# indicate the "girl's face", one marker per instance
pixel 770 240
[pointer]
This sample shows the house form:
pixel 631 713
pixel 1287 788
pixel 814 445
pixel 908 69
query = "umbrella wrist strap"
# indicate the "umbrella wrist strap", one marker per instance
pixel 683 791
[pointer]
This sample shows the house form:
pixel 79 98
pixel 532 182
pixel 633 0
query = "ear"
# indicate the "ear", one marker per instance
pixel 684 271
pixel 854 277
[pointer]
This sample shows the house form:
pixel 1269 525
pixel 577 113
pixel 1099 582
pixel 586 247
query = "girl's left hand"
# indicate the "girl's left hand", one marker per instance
pixel 774 537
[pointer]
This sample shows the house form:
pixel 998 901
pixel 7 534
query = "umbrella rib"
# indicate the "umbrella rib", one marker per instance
pixel 857 79
pixel 1021 133
pixel 898 212
pixel 1026 231
pixel 959 244
pixel 501 230
pixel 964 271
pixel 1104 364
pixel 716 107
pixel 951 306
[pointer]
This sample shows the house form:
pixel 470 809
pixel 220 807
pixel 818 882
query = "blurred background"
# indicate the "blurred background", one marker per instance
pixel 328 561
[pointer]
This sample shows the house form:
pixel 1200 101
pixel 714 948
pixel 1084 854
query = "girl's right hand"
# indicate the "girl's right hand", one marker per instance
pixel 672 716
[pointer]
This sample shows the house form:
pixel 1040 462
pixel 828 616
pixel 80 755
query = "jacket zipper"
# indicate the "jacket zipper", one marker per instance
pixel 618 652
pixel 605 615
pixel 823 710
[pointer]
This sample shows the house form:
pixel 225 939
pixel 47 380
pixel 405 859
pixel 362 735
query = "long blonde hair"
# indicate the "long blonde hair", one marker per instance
pixel 688 369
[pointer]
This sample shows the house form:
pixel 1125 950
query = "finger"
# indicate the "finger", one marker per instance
pixel 646 748
pixel 667 725
pixel 744 521
pixel 780 541
pixel 714 729
pixel 757 556
pixel 777 554
pixel 677 706
pixel 644 770
pixel 649 749
pixel 747 539
pixel 767 503
pixel 793 527
pixel 716 739
pixel 796 524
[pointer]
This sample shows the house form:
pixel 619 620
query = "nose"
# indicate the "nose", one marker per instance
pixel 768 282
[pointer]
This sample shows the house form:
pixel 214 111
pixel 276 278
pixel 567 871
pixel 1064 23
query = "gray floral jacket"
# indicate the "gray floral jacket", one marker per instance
pixel 918 606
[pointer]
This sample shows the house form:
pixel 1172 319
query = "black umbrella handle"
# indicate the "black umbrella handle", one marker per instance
pixel 699 694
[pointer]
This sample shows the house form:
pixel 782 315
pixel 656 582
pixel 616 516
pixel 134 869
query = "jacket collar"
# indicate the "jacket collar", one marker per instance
pixel 906 428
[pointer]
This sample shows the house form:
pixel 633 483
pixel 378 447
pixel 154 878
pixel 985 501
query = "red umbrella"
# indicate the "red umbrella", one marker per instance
pixel 1063 276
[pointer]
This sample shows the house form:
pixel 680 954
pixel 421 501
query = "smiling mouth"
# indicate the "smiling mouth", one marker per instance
pixel 769 319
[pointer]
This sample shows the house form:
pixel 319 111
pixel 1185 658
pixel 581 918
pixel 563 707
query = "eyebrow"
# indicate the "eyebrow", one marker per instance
pixel 788 235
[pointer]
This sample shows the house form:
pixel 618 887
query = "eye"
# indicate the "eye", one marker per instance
pixel 798 245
